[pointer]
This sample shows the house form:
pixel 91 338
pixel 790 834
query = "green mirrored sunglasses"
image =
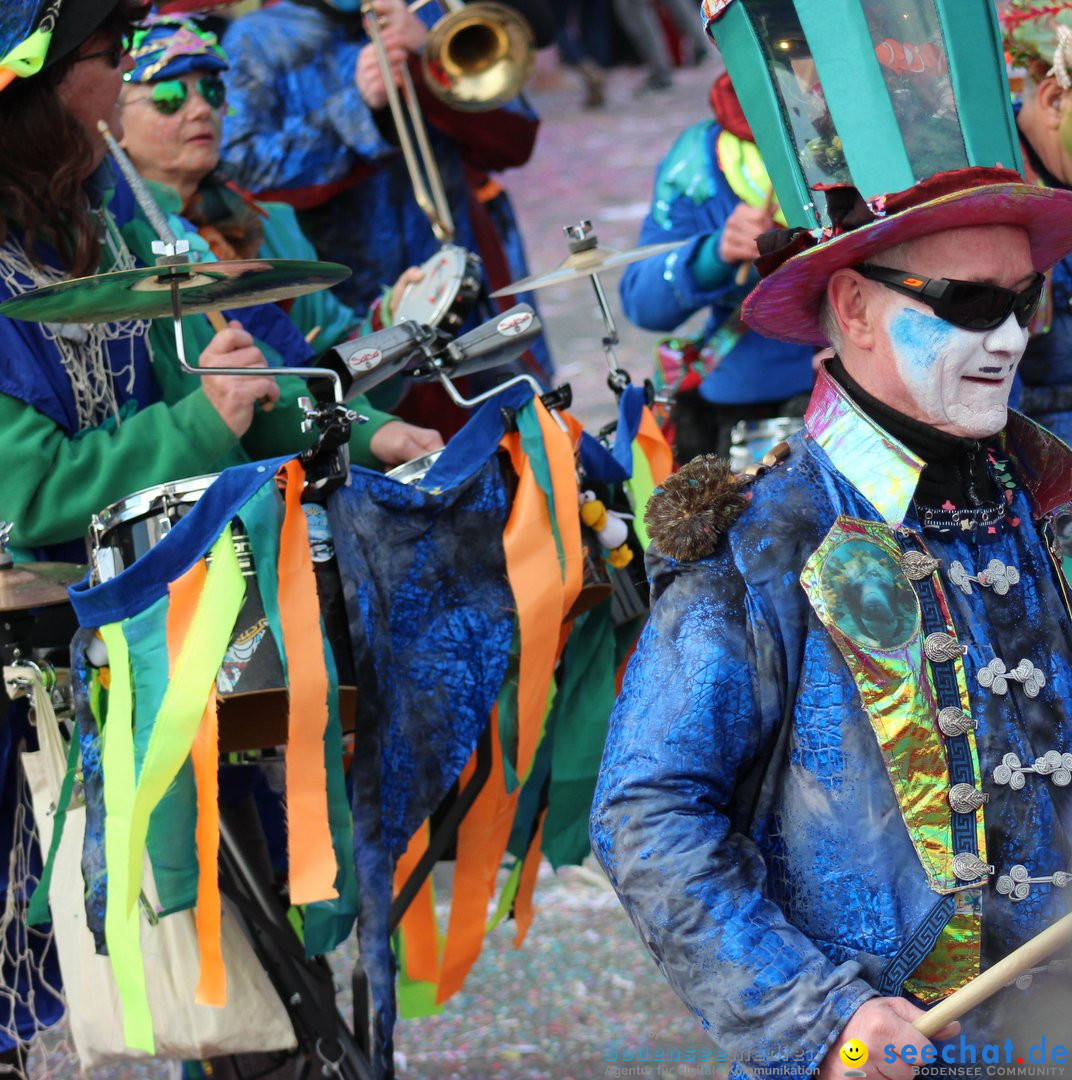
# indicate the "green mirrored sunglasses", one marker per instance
pixel 169 95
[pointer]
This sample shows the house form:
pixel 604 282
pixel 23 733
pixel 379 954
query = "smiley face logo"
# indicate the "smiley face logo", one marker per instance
pixel 853 1054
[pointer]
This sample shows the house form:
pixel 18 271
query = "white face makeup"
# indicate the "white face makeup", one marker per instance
pixel 958 380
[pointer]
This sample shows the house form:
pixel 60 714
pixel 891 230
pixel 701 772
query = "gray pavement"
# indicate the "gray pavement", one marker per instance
pixel 581 999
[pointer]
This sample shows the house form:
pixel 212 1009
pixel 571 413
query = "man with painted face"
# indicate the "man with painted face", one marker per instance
pixel 828 797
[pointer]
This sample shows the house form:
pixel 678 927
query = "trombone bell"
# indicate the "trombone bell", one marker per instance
pixel 478 57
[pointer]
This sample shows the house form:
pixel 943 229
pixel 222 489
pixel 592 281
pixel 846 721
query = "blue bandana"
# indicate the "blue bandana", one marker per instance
pixel 168 48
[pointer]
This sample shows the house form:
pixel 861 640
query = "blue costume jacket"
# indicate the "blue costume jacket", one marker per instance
pixel 1047 362
pixel 805 709
pixel 301 133
pixel 691 202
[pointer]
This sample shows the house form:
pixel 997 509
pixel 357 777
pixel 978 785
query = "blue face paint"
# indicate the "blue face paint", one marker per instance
pixel 918 338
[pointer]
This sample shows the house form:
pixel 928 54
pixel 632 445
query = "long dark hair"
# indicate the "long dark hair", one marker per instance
pixel 43 156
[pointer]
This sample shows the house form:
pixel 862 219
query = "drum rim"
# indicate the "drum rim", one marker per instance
pixel 139 504
pixel 412 466
pixel 769 425
pixel 464 263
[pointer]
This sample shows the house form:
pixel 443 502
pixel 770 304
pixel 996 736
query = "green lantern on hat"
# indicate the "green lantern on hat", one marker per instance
pixel 879 94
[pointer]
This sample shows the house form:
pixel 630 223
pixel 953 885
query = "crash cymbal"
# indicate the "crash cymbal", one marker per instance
pixel 582 264
pixel 145 293
pixel 30 585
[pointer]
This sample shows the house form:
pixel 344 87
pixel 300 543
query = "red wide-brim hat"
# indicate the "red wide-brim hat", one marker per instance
pixel 787 301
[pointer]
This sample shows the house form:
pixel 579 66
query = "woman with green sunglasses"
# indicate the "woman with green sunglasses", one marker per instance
pixel 173 107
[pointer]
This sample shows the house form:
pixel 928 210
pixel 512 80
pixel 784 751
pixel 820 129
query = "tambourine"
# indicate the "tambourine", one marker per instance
pixel 445 296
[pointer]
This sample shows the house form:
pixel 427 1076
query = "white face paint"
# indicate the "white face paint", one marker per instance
pixel 959 380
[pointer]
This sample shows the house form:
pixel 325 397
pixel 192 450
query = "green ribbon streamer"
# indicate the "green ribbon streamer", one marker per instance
pixel 193 675
pixel 129 802
pixel 38 912
pixel 528 426
pixel 172 825
pixel 581 713
pixel 506 897
pixel 122 929
pixel 416 997
pixel 640 487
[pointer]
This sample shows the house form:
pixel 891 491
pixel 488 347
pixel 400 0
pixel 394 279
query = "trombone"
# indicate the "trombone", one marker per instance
pixel 476 57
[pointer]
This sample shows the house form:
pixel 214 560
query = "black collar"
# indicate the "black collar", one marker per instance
pixel 956 472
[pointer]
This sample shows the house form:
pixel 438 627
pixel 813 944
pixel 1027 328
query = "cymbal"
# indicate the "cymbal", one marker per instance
pixel 145 293
pixel 582 264
pixel 30 585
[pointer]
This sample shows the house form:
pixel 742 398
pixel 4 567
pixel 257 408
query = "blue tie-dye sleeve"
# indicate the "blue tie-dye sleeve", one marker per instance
pixel 702 701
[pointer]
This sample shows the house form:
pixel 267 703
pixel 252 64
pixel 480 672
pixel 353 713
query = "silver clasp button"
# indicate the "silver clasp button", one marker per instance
pixel 1016 884
pixel 996 576
pixel 995 678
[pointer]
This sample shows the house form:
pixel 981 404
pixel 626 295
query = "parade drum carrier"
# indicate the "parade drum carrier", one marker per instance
pixel 447 293
pixel 250 683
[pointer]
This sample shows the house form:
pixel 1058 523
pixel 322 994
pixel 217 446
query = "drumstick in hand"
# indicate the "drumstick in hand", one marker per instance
pixel 746 267
pixel 219 323
pixel 994 978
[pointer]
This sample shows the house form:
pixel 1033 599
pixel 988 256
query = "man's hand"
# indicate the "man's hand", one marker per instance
pixel 369 78
pixel 403 34
pixel 879 1023
pixel 235 396
pixel 397 19
pixel 397 442
pixel 738 243
pixel 410 276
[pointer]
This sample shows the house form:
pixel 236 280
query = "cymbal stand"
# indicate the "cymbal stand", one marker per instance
pixel 331 419
pixel 581 238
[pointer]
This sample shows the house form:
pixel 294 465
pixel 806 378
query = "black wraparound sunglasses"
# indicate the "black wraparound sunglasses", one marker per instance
pixel 973 305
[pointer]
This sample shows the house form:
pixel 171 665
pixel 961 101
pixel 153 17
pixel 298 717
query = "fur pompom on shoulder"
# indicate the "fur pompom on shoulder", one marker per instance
pixel 692 508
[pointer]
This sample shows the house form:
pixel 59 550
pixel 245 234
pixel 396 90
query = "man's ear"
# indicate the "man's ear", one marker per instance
pixel 847 295
pixel 1050 98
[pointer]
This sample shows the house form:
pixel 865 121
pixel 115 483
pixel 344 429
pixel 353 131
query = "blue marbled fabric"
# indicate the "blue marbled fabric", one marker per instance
pixel 87 732
pixel 431 620
pixel 744 812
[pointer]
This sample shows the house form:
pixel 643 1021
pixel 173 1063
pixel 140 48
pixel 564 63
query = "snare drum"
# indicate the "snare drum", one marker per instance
pixel 414 471
pixel 750 440
pixel 250 682
pixel 448 291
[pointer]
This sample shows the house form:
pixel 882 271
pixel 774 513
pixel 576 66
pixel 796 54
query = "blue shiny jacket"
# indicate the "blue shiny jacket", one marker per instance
pixel 774 808
pixel 692 200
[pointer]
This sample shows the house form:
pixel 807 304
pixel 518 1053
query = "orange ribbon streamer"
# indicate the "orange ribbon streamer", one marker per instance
pixel 312 857
pixel 544 590
pixel 523 910
pixel 418 924
pixel 185 594
pixel 482 838
pixel 656 448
